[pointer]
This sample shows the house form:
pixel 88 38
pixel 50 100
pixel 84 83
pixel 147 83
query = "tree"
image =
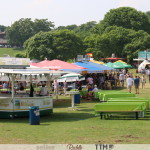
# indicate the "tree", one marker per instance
pixel 90 44
pixel 63 45
pixel 42 25
pixel 140 41
pixel 39 46
pixel 125 17
pixel 2 28
pixel 148 14
pixel 85 29
pixel 69 27
pixel 20 55
pixel 23 29
pixel 19 32
pixel 123 42
pixel 67 44
pixel 113 41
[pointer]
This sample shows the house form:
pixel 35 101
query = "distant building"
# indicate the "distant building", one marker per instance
pixel 3 40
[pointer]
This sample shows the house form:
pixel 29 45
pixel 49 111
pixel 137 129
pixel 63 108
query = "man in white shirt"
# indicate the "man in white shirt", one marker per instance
pixel 44 91
pixel 129 83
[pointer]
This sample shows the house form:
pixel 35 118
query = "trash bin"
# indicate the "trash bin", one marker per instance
pixel 34 115
pixel 77 98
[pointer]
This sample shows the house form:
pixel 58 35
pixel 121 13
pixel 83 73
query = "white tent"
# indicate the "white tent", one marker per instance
pixel 143 65
pixel 24 74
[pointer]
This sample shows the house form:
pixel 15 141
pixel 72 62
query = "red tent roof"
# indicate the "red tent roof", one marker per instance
pixel 56 65
pixel 111 58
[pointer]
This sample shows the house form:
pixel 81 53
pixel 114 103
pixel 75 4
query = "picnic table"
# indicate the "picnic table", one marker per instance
pixel 102 92
pixel 119 107
pixel 147 102
pixel 117 95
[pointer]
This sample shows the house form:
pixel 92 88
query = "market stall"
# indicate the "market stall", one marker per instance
pixel 17 105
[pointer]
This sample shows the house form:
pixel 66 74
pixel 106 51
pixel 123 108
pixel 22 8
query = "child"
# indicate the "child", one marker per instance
pixel 95 90
pixel 89 94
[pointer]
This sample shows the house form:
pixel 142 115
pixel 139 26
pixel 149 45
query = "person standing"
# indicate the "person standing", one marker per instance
pixel 148 73
pixel 136 84
pixel 55 87
pixel 129 83
pixel 90 81
pixel 121 78
pixel 43 91
pixel 143 80
pixel 64 87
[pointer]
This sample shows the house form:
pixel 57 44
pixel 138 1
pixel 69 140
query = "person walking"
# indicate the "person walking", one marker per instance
pixel 129 83
pixel 143 80
pixel 136 84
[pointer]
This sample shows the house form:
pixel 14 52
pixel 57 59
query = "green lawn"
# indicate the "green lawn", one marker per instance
pixel 10 51
pixel 80 126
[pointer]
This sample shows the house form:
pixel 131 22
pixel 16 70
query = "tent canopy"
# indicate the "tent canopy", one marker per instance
pixel 101 66
pixel 71 77
pixel 112 58
pixel 55 65
pixel 97 62
pixel 93 67
pixel 123 65
pixel 24 74
pixel 143 65
pixel 121 61
pixel 113 66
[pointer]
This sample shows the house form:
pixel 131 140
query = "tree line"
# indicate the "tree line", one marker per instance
pixel 123 31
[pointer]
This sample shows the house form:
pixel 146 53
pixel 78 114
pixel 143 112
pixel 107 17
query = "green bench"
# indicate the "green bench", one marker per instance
pixel 120 107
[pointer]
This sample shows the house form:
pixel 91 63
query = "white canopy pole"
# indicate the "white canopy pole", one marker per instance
pixel 48 82
pixel 12 95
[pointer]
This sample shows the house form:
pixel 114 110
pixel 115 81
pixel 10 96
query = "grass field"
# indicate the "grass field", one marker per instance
pixel 67 126
pixel 10 51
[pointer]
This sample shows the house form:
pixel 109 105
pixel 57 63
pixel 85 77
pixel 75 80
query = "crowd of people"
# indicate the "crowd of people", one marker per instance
pixel 22 86
pixel 92 82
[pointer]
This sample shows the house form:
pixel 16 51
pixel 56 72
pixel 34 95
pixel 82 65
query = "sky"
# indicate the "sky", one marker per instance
pixel 63 12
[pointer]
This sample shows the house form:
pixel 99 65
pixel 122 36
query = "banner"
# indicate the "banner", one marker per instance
pixel 143 55
pixel 14 61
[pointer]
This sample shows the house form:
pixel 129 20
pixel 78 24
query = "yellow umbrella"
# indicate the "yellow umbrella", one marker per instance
pixel 121 61
pixel 97 62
